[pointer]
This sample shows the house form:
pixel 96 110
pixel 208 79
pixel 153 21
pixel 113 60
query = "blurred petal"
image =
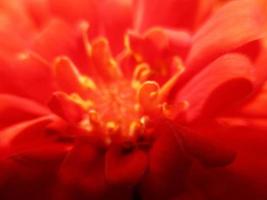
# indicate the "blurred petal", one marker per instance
pixel 226 80
pixel 169 13
pixel 168 166
pixel 245 178
pixel 125 167
pixel 25 133
pixel 256 106
pixel 27 75
pixel 56 32
pixel 62 105
pixel 14 109
pixel 110 17
pixel 159 47
pixel 83 169
pixel 241 22
pixel 208 152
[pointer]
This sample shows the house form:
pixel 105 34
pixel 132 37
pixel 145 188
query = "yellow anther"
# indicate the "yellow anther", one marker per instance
pixel 141 72
pixel 87 82
pixel 112 127
pixel 144 120
pixel 103 59
pixel 181 107
pixel 167 110
pixel 147 95
pixel 184 105
pixel 32 55
pixel 167 87
pixel 93 116
pixel 126 42
pixel 137 107
pixel 84 26
pixel 23 55
pixel 134 128
pixel 138 57
pixel 85 104
pixel 115 70
pixel 85 124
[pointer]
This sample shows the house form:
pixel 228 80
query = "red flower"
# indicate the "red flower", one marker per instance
pixel 177 111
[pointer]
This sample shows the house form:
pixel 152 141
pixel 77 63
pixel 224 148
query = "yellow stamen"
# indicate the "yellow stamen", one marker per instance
pixel 87 82
pixel 134 128
pixel 181 107
pixel 166 88
pixel 34 56
pixel 142 72
pixel 147 95
pixel 85 104
pixel 84 25
pixel 103 60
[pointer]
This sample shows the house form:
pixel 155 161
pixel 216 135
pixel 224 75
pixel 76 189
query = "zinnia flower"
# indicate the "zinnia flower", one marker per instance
pixel 121 99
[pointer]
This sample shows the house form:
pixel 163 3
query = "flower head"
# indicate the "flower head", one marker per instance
pixel 121 99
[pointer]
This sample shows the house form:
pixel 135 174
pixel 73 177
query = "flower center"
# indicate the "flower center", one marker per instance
pixel 107 103
pixel 116 103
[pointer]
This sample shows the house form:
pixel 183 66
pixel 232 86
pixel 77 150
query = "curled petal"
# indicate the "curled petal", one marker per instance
pixel 255 106
pixel 62 105
pixel 223 83
pixel 159 48
pixel 67 75
pixel 250 114
pixel 241 23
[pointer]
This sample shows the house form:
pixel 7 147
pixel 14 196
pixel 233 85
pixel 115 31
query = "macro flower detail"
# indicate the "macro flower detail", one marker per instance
pixel 128 100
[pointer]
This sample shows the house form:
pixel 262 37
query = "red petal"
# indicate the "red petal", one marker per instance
pixel 14 36
pixel 102 59
pixel 110 18
pixel 223 83
pixel 158 47
pixel 251 113
pixel 246 177
pixel 260 64
pixel 21 169
pixel 25 133
pixel 167 13
pixel 84 169
pixel 16 109
pixel 233 26
pixel 159 44
pixel 209 152
pixel 255 107
pixel 116 16
pixel 63 106
pixel 38 11
pixel 67 75
pixel 28 75
pixel 56 32
pixel 125 167
pixel 168 166
pixel 74 11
